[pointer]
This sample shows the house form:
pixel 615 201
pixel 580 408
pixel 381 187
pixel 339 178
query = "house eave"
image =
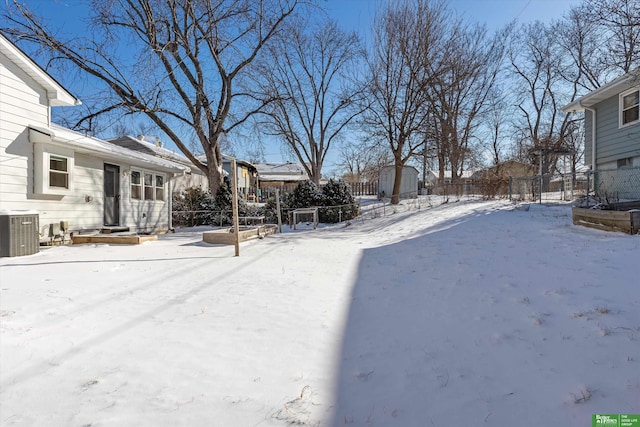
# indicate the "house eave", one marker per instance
pixel 57 95
pixel 63 137
pixel 613 88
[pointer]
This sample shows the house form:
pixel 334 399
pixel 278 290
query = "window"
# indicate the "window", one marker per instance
pixel 136 185
pixel 625 163
pixel 58 172
pixel 629 107
pixel 53 167
pixel 147 186
pixel 159 187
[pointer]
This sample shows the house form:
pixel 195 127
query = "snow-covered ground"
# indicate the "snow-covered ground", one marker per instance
pixel 463 314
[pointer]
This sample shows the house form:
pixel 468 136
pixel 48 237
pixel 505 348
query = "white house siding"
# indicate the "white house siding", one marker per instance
pixel 143 215
pixel 84 208
pixel 21 103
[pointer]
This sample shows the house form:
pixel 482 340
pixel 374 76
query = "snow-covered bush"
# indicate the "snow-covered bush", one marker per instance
pixel 193 206
pixel 338 194
pixel 305 195
pixel 223 206
pixel 335 201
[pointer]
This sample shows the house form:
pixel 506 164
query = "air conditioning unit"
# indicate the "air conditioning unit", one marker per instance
pixel 19 233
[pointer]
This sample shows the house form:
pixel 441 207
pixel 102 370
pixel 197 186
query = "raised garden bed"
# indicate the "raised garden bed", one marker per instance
pixel 225 236
pixel 624 217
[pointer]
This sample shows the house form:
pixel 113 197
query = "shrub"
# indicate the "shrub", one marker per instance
pixel 305 195
pixel 270 214
pixel 223 206
pixel 338 194
pixel 335 198
pixel 193 206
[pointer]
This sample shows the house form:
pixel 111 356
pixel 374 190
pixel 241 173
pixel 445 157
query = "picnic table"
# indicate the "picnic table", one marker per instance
pixel 305 211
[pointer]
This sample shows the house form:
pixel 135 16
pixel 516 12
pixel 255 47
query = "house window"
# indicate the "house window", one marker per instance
pixel 58 172
pixel 53 170
pixel 629 107
pixel 136 185
pixel 147 186
pixel 625 163
pixel 159 187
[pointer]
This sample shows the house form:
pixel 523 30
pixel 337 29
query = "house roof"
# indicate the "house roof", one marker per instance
pixel 86 144
pixel 613 88
pixel 282 169
pixel 143 145
pixel 56 93
pixel 239 162
pixel 447 173
pixel 404 167
pixel 274 178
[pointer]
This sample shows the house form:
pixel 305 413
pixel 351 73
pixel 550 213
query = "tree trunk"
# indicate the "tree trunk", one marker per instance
pixel 397 182
pixel 214 172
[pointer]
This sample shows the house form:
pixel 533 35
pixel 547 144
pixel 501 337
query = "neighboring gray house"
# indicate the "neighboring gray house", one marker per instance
pixel 408 185
pixel 612 123
pixel 66 176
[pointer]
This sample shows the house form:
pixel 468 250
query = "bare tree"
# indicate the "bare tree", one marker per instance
pixel 496 118
pixel 314 100
pixel 407 36
pixel 537 62
pixel 619 25
pixel 361 162
pixel 179 66
pixel 460 92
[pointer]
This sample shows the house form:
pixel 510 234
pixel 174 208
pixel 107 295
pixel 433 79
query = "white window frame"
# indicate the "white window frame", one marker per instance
pixel 43 155
pixel 161 188
pixel 621 109
pixel 139 186
pixel 153 188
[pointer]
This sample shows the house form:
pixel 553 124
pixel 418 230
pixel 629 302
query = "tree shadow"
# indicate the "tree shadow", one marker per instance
pixel 430 335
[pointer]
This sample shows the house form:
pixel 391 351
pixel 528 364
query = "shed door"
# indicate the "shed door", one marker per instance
pixel 111 194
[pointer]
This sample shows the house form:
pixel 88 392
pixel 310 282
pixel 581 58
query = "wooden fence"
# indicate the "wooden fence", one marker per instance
pixel 364 188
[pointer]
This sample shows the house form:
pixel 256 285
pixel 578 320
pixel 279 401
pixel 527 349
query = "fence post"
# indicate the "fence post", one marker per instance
pixel 588 185
pixel 510 188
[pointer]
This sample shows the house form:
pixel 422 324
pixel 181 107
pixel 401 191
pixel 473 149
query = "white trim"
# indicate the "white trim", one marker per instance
pixel 58 135
pixel 42 157
pixel 56 93
pixel 621 107
pixel 602 93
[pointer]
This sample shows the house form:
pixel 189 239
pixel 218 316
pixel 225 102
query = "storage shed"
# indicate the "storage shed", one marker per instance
pixel 408 185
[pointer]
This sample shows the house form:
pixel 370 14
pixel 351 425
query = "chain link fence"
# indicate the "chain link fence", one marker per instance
pixel 605 186
pixel 555 187
pixel 616 185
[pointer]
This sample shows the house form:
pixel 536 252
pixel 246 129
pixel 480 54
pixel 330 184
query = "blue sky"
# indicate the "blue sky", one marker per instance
pixel 356 15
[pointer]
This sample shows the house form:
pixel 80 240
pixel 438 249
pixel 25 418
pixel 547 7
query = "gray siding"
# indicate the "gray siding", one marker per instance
pixel 612 142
